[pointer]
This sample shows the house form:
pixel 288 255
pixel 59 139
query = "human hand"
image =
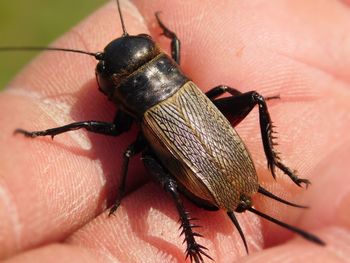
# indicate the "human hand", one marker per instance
pixel 53 193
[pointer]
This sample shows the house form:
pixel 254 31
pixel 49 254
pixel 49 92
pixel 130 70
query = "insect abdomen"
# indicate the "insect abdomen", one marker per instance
pixel 200 148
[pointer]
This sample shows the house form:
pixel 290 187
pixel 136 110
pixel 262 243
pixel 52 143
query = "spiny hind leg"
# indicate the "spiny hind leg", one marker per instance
pixel 237 107
pixel 194 250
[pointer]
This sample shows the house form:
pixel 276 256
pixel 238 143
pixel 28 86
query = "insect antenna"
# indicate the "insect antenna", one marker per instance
pixel 272 196
pixel 121 19
pixel 236 223
pixel 294 229
pixel 97 55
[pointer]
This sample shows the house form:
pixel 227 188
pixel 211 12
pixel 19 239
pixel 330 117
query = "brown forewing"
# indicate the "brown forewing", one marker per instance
pixel 198 146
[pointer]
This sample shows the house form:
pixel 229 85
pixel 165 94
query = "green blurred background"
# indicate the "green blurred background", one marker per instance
pixel 37 23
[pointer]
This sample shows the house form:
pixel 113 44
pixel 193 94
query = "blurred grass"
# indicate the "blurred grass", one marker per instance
pixel 37 23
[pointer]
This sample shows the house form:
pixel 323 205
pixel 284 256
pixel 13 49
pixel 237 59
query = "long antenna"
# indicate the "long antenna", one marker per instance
pixel 121 19
pixel 294 229
pixel 97 55
pixel 240 231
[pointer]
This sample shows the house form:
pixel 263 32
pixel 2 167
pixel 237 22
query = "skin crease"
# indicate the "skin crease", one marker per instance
pixel 53 193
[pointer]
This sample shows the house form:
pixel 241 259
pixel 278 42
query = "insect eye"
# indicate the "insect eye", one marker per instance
pixel 105 84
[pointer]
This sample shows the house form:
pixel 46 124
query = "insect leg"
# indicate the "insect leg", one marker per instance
pixel 136 147
pixel 194 250
pixel 236 108
pixel 221 89
pixel 121 123
pixel 175 42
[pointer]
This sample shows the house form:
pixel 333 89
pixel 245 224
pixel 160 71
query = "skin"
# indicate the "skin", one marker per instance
pixel 54 194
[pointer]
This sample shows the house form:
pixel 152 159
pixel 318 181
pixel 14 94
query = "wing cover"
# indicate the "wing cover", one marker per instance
pixel 197 144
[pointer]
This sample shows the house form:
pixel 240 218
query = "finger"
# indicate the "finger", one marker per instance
pixel 112 238
pixel 241 43
pixel 57 253
pixel 263 46
pixel 337 250
pixel 132 235
pixel 237 52
pixel 51 188
pixel 328 198
pixel 147 224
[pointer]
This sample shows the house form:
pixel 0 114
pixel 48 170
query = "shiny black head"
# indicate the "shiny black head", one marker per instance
pixel 135 74
pixel 122 57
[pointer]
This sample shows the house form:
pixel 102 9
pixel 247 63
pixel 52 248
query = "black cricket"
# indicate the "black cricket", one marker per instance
pixel 143 81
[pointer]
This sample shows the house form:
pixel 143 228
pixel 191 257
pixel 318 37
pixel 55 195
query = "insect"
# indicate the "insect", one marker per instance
pixel 185 140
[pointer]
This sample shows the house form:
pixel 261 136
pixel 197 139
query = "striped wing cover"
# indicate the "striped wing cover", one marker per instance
pixel 198 146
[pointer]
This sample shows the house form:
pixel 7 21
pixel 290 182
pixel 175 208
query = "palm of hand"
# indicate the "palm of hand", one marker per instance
pixel 55 191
